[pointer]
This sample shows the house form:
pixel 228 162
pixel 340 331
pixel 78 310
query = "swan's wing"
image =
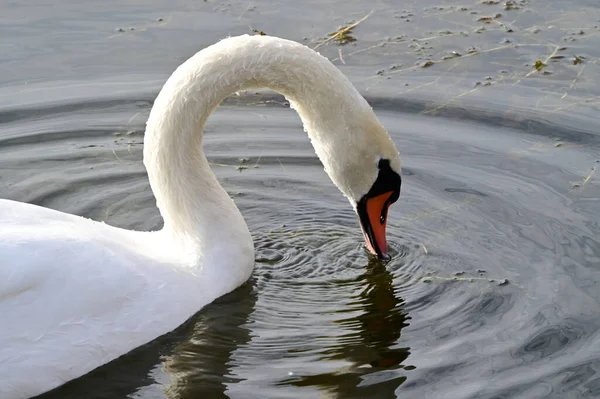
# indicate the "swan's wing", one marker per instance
pixel 71 298
pixel 47 254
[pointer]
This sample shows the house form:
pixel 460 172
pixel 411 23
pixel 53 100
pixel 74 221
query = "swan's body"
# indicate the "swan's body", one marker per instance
pixel 76 293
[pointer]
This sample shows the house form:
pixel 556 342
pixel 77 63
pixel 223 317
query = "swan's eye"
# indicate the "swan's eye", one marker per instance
pixel 382 219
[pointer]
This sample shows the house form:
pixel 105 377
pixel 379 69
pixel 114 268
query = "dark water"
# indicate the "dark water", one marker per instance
pixel 493 291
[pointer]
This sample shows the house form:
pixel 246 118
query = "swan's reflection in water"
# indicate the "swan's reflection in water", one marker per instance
pixel 371 346
pixel 199 366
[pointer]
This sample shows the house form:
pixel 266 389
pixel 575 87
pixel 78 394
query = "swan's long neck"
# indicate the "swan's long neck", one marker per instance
pixel 188 195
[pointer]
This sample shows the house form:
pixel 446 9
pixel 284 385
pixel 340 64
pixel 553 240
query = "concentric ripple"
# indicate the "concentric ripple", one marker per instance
pixel 491 291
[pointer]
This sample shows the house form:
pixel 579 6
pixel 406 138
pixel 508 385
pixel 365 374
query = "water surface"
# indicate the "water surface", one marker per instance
pixel 493 289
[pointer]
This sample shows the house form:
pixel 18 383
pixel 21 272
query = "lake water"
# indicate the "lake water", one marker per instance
pixel 493 288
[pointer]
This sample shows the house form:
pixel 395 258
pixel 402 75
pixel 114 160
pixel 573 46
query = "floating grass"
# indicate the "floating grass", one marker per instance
pixel 343 34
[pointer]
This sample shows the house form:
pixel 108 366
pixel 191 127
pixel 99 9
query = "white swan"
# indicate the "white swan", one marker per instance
pixel 76 293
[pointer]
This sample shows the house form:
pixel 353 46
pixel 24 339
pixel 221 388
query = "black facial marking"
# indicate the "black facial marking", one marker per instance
pixel 387 180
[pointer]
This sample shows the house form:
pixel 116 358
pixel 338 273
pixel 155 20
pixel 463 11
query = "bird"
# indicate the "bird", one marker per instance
pixel 76 293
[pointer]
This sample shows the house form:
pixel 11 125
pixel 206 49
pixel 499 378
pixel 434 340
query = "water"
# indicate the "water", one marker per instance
pixel 493 289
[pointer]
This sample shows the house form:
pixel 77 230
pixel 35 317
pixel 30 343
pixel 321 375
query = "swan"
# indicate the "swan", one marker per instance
pixel 77 293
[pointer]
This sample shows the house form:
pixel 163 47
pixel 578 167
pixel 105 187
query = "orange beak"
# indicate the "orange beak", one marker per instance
pixel 373 219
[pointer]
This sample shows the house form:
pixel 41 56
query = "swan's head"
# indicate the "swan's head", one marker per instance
pixel 365 166
pixel 372 208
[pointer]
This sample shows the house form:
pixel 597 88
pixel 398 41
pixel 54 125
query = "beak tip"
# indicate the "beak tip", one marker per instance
pixel 384 257
pixel 375 250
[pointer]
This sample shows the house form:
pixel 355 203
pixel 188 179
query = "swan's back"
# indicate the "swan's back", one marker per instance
pixel 75 294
